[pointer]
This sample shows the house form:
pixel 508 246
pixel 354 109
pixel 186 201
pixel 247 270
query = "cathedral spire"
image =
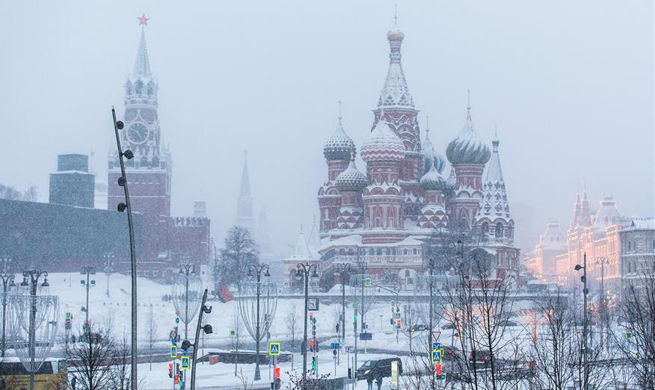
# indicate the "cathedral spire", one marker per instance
pixel 142 63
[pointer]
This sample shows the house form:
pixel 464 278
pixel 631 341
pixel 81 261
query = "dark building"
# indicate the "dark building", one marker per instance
pixel 63 238
pixel 72 184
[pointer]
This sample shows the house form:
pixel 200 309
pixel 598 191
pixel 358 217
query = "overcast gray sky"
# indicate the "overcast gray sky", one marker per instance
pixel 568 83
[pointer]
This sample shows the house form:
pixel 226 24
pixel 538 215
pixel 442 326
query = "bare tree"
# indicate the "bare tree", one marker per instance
pixel 151 332
pixel 91 360
pixel 235 339
pixel 245 385
pixel 554 351
pixel 291 321
pixel 120 374
pixel 239 253
pixel 637 342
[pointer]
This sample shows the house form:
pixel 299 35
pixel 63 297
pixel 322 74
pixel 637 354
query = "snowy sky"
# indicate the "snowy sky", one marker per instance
pixel 568 83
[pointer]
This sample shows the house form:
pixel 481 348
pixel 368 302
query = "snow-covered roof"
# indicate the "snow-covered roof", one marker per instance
pixel 641 224
pixel 339 146
pixel 494 195
pixel 606 215
pixel 382 144
pixel 553 237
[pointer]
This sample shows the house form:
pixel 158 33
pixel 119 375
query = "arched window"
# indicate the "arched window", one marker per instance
pixel 407 274
pixel 342 251
pixel 371 252
pixel 138 88
pixel 405 252
pixel 388 251
pixel 499 230
pixel 379 251
pixel 415 251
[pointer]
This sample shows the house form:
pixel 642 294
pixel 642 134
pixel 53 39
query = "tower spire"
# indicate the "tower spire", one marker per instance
pixel 142 63
pixel 395 92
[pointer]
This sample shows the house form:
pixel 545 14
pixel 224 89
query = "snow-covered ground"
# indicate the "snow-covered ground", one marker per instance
pixel 113 312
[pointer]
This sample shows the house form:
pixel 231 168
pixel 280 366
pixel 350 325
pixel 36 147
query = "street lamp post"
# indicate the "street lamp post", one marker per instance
pixel 258 268
pixel 33 276
pixel 122 182
pixel 109 268
pixel 7 283
pixel 88 270
pixel 186 270
pixel 303 271
pixel 344 269
pixel 602 261
pixel 585 291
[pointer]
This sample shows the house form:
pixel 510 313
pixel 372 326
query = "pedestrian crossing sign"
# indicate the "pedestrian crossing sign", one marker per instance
pixel 232 333
pixel 185 363
pixel 436 357
pixel 368 282
pixel 273 349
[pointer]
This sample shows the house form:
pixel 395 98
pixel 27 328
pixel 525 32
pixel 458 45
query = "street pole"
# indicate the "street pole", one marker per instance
pixel 431 273
pixel 344 268
pixel 7 282
pixel 585 291
pixel 207 329
pixel 88 270
pixel 259 268
pixel 33 276
pixel 122 181
pixel 303 270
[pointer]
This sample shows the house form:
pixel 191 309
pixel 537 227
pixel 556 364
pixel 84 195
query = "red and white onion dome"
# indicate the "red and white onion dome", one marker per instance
pixel 383 144
pixel 339 146
pixel 351 179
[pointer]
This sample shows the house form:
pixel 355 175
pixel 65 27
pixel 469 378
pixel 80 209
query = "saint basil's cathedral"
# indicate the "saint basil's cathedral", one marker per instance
pixel 384 215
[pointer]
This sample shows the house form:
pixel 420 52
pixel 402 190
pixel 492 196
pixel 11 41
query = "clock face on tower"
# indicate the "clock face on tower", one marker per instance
pixel 138 133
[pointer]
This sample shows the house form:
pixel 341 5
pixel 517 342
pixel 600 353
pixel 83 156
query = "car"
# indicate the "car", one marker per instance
pixel 508 323
pixel 375 367
pixel 418 328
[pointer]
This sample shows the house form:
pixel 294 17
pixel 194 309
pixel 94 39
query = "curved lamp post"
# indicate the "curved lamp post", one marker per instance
pixel 7 283
pixel 303 271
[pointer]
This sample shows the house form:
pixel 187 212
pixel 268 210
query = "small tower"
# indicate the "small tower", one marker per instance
pixel 493 220
pixel 245 217
pixel 337 151
pixel 468 154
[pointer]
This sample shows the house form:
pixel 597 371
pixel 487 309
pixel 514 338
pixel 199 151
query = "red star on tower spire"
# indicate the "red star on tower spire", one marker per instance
pixel 143 21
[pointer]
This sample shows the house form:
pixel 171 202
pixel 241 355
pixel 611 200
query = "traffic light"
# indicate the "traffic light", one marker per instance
pixel 438 369
pixel 276 375
pixel 313 363
pixel 311 345
pixel 170 370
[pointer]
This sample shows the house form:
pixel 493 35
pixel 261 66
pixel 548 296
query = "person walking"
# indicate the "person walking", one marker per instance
pixel 369 380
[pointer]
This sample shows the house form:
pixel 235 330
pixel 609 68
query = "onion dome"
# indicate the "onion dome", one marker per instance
pixel 451 182
pixel 468 147
pixel 351 179
pixel 432 180
pixel 383 144
pixel 429 154
pixel 339 146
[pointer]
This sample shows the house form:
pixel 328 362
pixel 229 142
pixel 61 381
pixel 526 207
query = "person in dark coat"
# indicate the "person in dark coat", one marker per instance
pixel 369 380
pixel 378 380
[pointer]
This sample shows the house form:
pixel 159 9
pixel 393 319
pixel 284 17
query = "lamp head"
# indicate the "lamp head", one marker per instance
pixel 24 282
pixel 267 274
pixel 578 267
pixel 315 274
pixel 45 283
pixel 298 275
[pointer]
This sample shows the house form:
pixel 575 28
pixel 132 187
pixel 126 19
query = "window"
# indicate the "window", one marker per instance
pixel 405 252
pixel 629 245
pixel 342 252
pixel 407 274
pixel 379 251
pixel 371 252
pixel 351 252
pixel 499 230
pixel 654 245
pixel 388 251
pixel 415 251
